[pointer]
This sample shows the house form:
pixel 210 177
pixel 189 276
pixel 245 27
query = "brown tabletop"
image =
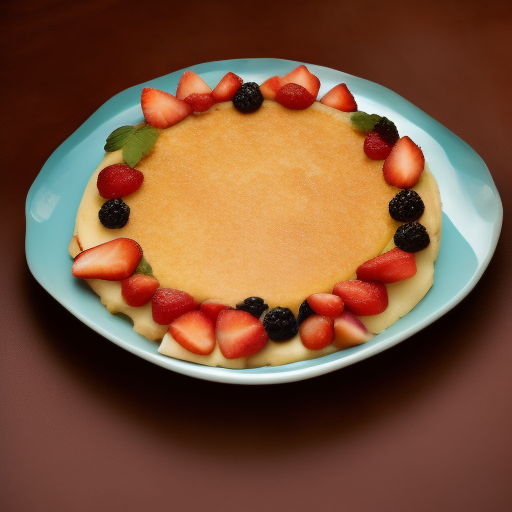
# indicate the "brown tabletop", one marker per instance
pixel 85 425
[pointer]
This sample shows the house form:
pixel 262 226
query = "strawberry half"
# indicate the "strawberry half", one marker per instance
pixel 111 261
pixel 375 147
pixel 168 304
pixel 294 97
pixel 361 297
pixel 162 109
pixel 226 88
pixel 340 98
pixel 349 331
pixel 326 304
pixel 404 165
pixel 118 180
pixel 211 308
pixel 138 289
pixel 191 83
pixel 316 332
pixel 195 332
pixel 302 76
pixel 239 334
pixel 390 267
pixel 270 87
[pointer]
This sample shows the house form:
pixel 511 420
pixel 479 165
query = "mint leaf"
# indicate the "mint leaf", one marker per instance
pixel 118 138
pixel 364 122
pixel 144 268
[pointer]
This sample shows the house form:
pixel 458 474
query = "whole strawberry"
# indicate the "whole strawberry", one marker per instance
pixel 118 180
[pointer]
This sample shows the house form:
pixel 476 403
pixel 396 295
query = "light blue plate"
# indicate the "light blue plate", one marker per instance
pixel 472 217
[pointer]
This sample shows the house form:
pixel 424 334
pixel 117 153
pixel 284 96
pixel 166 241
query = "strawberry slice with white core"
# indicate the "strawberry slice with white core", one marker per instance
pixel 349 331
pixel 195 332
pixel 162 109
pixel 404 165
pixel 362 297
pixel 316 332
pixel 270 87
pixel 326 304
pixel 239 334
pixel 138 289
pixel 111 261
pixel 390 267
pixel 340 98
pixel 302 76
pixel 212 307
pixel 168 304
pixel 191 83
pixel 226 88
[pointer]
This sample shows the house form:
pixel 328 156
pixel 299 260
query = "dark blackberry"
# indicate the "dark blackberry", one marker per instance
pixel 114 213
pixel 387 130
pixel 304 311
pixel 248 98
pixel 406 206
pixel 253 305
pixel 280 324
pixel 411 237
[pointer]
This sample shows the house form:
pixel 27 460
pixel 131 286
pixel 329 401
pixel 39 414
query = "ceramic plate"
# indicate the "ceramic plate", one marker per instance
pixel 472 217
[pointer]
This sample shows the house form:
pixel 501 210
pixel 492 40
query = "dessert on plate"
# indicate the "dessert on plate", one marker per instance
pixel 254 225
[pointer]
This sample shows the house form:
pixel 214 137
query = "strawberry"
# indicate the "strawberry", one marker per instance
pixel 239 334
pixel 404 165
pixel 194 331
pixel 349 331
pixel 226 88
pixel 111 261
pixel 270 87
pixel 316 332
pixel 162 109
pixel 295 97
pixel 375 147
pixel 340 98
pixel 200 102
pixel 138 289
pixel 118 180
pixel 191 83
pixel 303 77
pixel 211 308
pixel 361 297
pixel 390 267
pixel 168 304
pixel 326 304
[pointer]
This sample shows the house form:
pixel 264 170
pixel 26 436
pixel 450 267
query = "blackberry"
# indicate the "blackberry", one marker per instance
pixel 253 305
pixel 280 324
pixel 114 213
pixel 387 130
pixel 406 206
pixel 304 311
pixel 411 237
pixel 248 98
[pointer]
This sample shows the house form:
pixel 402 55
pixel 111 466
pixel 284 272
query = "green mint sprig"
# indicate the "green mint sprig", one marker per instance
pixel 364 122
pixel 135 142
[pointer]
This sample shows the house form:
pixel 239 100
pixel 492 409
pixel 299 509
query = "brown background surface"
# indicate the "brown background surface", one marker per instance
pixel 84 425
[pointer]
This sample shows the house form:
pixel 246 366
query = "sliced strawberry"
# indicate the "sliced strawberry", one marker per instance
pixel 340 98
pixel 138 289
pixel 390 267
pixel 162 109
pixel 302 76
pixel 168 304
pixel 227 87
pixel 191 83
pixel 270 87
pixel 211 308
pixel 316 332
pixel 375 147
pixel 239 334
pixel 111 261
pixel 200 102
pixel 326 304
pixel 361 297
pixel 295 97
pixel 118 180
pixel 349 331
pixel 195 332
pixel 404 165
